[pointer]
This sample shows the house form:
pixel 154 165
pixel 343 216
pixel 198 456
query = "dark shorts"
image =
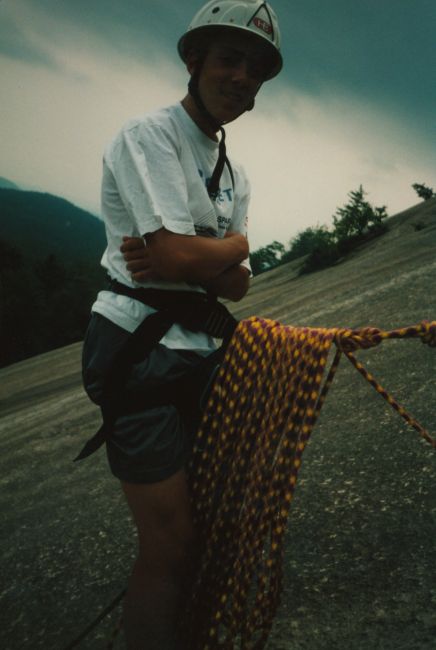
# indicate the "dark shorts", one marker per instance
pixel 152 444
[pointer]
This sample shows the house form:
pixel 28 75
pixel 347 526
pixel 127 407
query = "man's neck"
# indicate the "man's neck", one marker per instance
pixel 201 121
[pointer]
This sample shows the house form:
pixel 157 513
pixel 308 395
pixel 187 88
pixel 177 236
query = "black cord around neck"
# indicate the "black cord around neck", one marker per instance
pixel 213 185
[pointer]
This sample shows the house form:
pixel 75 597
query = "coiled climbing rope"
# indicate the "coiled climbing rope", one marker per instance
pixel 263 406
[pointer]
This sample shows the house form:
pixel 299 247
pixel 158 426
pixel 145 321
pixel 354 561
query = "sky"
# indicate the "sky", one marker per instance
pixel 354 105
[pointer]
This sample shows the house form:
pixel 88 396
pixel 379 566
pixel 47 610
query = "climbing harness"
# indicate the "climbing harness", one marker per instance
pixel 193 310
pixel 259 417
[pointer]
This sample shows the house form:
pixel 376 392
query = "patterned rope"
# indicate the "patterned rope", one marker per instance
pixel 263 406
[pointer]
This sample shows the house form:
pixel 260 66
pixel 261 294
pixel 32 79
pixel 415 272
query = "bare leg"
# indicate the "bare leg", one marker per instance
pixel 166 545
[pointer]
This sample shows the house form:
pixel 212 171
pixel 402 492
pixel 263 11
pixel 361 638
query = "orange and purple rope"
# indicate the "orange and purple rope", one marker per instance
pixel 261 411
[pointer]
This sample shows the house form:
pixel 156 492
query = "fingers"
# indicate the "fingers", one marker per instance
pixel 137 256
pixel 133 248
pixel 137 264
pixel 143 276
pixel 132 244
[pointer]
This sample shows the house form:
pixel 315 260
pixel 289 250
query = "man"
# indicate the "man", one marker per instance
pixel 171 196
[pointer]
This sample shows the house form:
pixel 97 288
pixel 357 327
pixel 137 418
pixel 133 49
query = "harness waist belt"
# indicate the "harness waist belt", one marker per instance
pixel 193 310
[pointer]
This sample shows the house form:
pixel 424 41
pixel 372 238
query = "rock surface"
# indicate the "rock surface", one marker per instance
pixel 359 566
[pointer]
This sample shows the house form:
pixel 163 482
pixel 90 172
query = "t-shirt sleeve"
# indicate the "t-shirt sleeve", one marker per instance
pixel 145 165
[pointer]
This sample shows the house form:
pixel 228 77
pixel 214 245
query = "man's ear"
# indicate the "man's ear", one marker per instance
pixel 192 60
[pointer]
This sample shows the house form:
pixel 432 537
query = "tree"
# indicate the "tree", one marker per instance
pixel 266 257
pixel 19 314
pixel 51 274
pixel 357 216
pixel 43 304
pixel 423 191
pixel 324 253
pixel 306 241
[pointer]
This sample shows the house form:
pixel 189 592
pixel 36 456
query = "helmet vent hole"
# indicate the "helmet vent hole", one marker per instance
pixel 215 10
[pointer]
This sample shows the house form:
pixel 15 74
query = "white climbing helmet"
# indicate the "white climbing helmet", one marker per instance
pixel 252 16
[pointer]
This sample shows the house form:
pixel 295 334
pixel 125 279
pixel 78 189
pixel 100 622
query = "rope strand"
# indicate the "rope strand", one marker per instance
pixel 262 409
pixel 264 404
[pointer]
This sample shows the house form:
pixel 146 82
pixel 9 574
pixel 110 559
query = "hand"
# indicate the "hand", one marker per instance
pixel 232 284
pixel 137 258
pixel 182 258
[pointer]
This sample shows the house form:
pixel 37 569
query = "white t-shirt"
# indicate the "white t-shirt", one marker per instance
pixel 154 175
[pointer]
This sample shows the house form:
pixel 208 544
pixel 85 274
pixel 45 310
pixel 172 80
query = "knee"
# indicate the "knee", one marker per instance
pixel 162 514
pixel 172 538
pixel 168 549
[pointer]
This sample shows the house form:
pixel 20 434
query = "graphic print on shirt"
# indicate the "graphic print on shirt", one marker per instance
pixel 222 194
pixel 223 206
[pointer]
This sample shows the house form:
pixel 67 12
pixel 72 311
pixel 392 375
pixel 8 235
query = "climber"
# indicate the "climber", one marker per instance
pixel 169 188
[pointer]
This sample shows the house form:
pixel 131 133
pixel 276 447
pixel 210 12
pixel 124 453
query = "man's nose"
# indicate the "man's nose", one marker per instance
pixel 241 71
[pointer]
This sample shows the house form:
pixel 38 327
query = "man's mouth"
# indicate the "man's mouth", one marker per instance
pixel 233 97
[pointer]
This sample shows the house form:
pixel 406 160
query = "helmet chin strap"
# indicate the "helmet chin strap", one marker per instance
pixel 195 94
pixel 193 88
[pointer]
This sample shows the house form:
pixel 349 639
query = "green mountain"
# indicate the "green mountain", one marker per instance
pixel 50 272
pixel 40 224
pixel 6 184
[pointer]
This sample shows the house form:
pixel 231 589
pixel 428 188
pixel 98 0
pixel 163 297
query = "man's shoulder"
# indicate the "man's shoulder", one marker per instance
pixel 163 118
pixel 163 123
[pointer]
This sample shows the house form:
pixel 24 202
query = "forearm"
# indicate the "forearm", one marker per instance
pixel 231 284
pixel 194 259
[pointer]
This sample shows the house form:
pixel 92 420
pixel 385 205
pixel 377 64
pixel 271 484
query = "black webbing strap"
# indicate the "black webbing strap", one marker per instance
pixel 198 312
pixel 193 310
pixel 214 182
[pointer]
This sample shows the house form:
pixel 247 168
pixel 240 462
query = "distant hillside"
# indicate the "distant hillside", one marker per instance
pixel 50 272
pixel 41 224
pixel 6 184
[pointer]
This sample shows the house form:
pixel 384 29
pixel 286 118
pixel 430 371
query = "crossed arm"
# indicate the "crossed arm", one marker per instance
pixel 213 263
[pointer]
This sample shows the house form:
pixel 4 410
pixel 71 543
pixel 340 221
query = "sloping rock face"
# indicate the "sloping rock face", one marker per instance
pixel 359 565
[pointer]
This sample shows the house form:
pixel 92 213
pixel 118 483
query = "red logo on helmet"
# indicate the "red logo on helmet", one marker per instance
pixel 263 25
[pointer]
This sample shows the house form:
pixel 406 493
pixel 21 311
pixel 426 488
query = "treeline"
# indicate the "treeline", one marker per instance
pixel 354 223
pixel 423 191
pixel 44 304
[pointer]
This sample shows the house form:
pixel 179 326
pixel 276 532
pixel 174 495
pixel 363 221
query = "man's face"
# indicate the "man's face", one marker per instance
pixel 231 75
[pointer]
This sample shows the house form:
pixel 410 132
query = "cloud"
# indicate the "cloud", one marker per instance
pixel 303 152
pixel 17 38
pixel 56 126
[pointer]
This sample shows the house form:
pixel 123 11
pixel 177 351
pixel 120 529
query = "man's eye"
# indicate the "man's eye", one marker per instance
pixel 257 72
pixel 229 60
